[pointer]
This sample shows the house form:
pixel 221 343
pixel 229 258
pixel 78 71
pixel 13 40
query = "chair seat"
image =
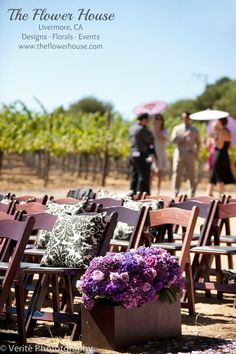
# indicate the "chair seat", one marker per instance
pixel 228 239
pixel 180 237
pixel 168 245
pixel 34 252
pixel 214 250
pixel 33 237
pixel 116 242
pixel 23 265
pixel 36 268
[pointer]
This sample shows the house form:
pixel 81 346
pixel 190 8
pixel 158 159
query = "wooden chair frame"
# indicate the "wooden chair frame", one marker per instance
pixel 187 219
pixel 207 251
pixel 17 232
pixel 52 275
pixel 135 218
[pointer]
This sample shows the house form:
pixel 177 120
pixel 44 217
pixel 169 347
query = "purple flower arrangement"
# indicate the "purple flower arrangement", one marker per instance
pixel 131 279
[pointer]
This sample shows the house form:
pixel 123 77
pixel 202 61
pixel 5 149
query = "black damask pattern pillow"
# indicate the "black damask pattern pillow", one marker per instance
pixel 75 240
pixel 43 238
pixel 137 205
pixel 58 209
pixel 123 231
pixel 65 209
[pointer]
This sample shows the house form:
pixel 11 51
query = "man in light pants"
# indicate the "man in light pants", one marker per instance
pixel 187 141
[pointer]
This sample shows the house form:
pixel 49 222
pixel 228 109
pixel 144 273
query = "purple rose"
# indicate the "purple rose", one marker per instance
pixel 114 276
pixel 97 275
pixel 124 277
pixel 146 287
pixel 151 261
pixel 139 258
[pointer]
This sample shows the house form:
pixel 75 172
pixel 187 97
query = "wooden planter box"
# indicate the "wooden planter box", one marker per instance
pixel 114 327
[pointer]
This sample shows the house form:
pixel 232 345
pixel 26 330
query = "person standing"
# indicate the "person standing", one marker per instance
pixel 160 141
pixel 141 140
pixel 210 147
pixel 187 144
pixel 221 173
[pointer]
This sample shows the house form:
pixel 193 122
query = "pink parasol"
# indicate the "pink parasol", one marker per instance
pixel 150 108
pixel 231 126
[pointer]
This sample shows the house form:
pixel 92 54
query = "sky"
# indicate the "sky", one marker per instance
pixel 151 50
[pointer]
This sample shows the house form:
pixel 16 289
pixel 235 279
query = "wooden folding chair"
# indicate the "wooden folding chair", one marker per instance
pixel 206 217
pixel 51 276
pixel 166 198
pixel 187 219
pixel 30 208
pixel 65 200
pixel 108 202
pixel 8 207
pixel 31 256
pixel 31 198
pixel 134 218
pixel 17 232
pixel 228 239
pixel 205 252
pixel 167 202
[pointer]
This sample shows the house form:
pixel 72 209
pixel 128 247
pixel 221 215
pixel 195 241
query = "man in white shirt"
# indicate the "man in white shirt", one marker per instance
pixel 187 144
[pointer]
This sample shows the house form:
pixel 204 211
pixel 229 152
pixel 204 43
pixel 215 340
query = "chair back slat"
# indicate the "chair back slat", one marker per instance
pixel 66 200
pixel 227 210
pixel 207 212
pixel 8 207
pixel 31 208
pixel 111 220
pixel 108 202
pixel 185 218
pixel 43 221
pixel 135 218
pixel 18 231
pixel 31 198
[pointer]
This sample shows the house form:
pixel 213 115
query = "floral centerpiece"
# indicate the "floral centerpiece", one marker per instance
pixel 131 279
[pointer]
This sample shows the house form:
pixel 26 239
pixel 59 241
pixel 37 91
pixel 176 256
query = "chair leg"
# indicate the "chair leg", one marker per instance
pixel 218 275
pixel 201 265
pixel 230 259
pixel 20 307
pixel 190 289
pixel 55 296
pixel 36 302
pixel 76 331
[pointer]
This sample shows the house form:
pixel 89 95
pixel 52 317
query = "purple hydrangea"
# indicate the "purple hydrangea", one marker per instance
pixel 131 279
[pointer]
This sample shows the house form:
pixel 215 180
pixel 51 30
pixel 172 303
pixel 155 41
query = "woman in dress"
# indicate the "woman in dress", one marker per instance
pixel 160 141
pixel 221 173
pixel 209 143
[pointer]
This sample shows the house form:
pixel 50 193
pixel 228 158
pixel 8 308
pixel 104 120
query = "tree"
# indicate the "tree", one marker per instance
pixel 220 95
pixel 90 105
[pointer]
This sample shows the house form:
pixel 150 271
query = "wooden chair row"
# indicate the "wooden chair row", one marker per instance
pixel 175 214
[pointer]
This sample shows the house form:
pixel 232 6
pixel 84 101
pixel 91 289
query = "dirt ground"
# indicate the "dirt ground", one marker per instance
pixel 211 330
